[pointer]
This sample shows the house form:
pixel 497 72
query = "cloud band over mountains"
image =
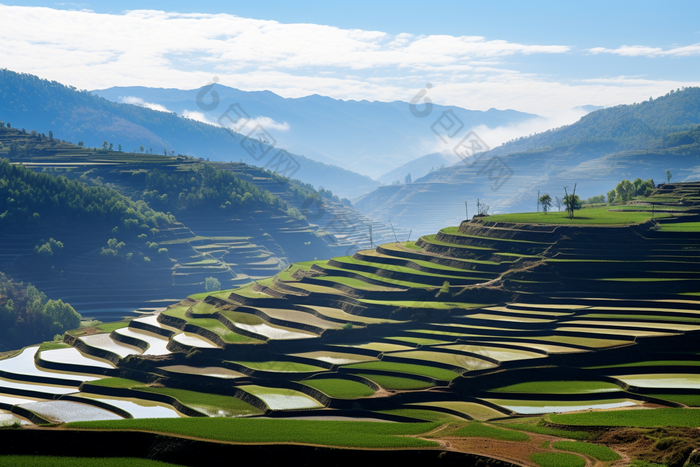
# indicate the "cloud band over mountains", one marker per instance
pixel 166 49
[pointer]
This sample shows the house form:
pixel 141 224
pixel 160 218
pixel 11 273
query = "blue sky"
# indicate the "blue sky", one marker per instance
pixel 544 57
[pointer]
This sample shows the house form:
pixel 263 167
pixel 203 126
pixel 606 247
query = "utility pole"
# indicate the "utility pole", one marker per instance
pixel 466 208
pixel 538 200
pixel 392 229
pixel 371 240
pixel 409 235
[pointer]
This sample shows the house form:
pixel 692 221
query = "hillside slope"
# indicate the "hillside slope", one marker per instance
pixel 29 102
pixel 233 222
pixel 641 140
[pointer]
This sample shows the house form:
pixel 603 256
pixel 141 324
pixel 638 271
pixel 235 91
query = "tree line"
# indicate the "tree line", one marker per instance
pixel 27 316
pixel 30 197
pixel 203 187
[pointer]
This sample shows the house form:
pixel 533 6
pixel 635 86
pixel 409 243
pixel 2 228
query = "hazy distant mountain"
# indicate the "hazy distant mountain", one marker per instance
pixel 371 138
pixel 627 141
pixel 418 167
pixel 33 103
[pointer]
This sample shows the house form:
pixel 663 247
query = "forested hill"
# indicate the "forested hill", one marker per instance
pixel 29 199
pixel 645 125
pixel 645 140
pixel 27 101
pixel 27 316
pixel 103 229
pixel 169 184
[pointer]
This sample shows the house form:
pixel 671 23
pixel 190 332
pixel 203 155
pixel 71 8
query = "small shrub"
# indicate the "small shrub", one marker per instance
pixel 211 284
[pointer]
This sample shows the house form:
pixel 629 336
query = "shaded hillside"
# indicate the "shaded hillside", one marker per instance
pixel 79 116
pixel 634 126
pixel 367 137
pixel 235 222
pixel 604 147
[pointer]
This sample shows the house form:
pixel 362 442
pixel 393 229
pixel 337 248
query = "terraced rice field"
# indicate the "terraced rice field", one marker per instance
pixel 46 390
pixel 397 383
pixel 469 409
pixel 378 346
pixel 340 388
pixel 405 368
pixel 454 359
pixel 538 407
pixel 275 333
pixel 137 408
pixel 211 371
pixel 665 380
pixel 23 365
pixel 105 342
pixel 157 345
pixel 72 356
pixel 281 366
pixel 336 358
pixel 300 317
pixel 471 328
pixel 560 387
pixel 193 340
pixel 282 399
pixel 497 353
pixel 64 411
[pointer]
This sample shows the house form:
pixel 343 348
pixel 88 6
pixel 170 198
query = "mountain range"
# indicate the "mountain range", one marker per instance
pixel 640 140
pixel 370 138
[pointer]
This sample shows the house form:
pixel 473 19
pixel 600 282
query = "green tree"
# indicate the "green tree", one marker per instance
pixel 119 147
pixel 545 202
pixel 59 317
pixel 212 284
pixel 444 289
pixel 50 135
pixel 572 203
pixel 624 191
pixel 408 179
pixel 104 145
pixel 668 176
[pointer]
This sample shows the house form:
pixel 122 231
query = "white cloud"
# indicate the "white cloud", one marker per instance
pixel 199 116
pixel 644 51
pixel 141 103
pixel 268 124
pixel 174 50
